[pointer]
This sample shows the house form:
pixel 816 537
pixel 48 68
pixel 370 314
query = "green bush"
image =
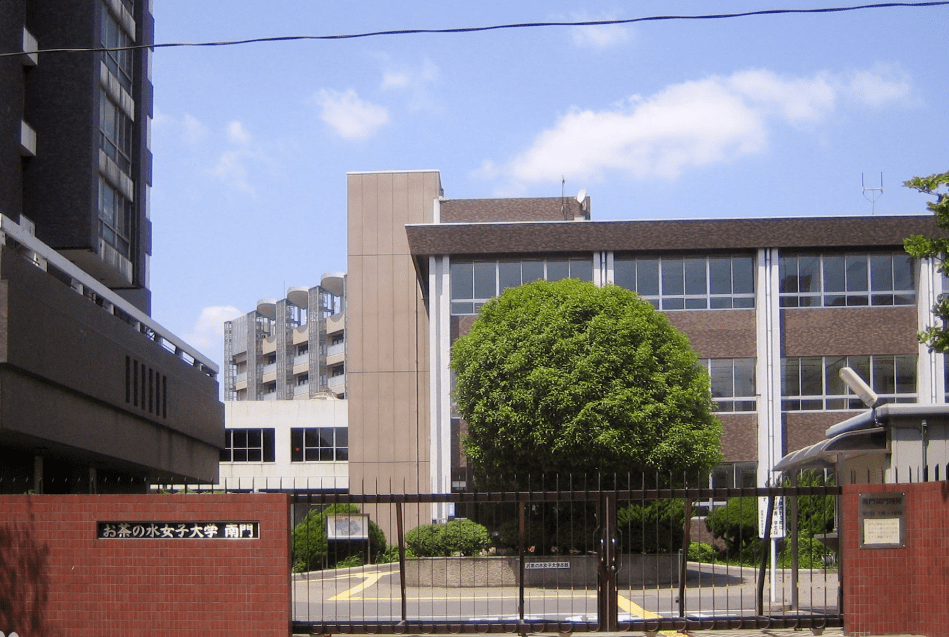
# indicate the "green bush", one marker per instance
pixel 811 554
pixel 652 527
pixel 441 540
pixel 312 551
pixel 702 552
pixel 736 524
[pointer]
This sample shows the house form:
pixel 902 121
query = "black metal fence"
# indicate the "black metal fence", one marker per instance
pixel 617 554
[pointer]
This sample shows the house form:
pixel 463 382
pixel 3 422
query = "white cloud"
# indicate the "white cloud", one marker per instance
pixel 188 128
pixel 237 133
pixel 695 123
pixel 207 333
pixel 349 116
pixel 600 37
pixel 881 86
pixel 416 81
pixel 231 169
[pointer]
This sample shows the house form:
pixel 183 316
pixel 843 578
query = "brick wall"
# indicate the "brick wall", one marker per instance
pixel 898 591
pixel 57 578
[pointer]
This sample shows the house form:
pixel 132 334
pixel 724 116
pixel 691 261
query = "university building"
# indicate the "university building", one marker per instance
pixel 95 396
pixel 774 308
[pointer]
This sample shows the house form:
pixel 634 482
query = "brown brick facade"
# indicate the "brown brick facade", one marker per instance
pixel 853 331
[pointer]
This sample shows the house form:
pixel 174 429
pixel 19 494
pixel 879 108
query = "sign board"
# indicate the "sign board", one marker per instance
pixel 178 530
pixel 533 566
pixel 347 526
pixel 778 519
pixel 882 518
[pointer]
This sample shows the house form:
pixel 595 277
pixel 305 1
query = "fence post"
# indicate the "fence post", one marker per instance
pixel 608 550
pixel 400 530
pixel 686 540
pixel 765 552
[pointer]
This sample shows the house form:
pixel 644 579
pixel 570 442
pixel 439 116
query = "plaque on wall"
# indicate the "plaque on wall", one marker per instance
pixel 882 519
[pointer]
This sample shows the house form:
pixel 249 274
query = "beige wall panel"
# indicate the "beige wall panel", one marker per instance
pixel 856 331
pixel 383 227
pixel 355 331
pixel 370 215
pixel 355 215
pixel 371 313
pixel 359 445
pixel 387 317
pixel 398 243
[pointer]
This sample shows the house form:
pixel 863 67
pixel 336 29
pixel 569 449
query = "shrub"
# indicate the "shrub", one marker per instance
pixel 441 540
pixel 311 549
pixel 652 527
pixel 702 552
pixel 736 524
pixel 811 554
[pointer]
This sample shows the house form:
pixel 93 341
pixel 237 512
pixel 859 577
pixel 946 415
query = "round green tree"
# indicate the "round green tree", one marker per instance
pixel 567 377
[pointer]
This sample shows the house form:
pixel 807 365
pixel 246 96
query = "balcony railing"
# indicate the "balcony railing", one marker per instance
pixel 44 257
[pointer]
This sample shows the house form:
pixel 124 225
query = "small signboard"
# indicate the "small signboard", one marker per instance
pixel 882 518
pixel 778 520
pixel 347 526
pixel 177 530
pixel 536 566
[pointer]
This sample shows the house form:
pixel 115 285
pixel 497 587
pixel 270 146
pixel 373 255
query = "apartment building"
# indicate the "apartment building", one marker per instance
pixel 774 307
pixel 95 396
pixel 286 419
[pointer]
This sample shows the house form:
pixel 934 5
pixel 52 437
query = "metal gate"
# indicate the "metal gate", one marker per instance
pixel 569 560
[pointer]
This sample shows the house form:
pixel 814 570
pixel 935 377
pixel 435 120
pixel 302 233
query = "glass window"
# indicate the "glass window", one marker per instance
pixel 851 280
pixel 694 283
pixel 732 382
pixel 319 444
pixel 473 283
pixel 813 382
pixel 248 445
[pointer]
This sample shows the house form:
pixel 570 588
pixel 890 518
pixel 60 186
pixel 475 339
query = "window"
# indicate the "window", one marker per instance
pixel 115 133
pixel 693 283
pixel 474 282
pixel 113 36
pixel 248 445
pixel 115 217
pixel 319 444
pixel 813 383
pixel 847 280
pixel 733 383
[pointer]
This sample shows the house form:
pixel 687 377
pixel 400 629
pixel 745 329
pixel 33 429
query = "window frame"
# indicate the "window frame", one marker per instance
pixel 265 448
pixel 687 282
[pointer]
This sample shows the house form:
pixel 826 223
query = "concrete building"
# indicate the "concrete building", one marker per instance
pixel 294 348
pixel 286 420
pixel 773 306
pixel 94 395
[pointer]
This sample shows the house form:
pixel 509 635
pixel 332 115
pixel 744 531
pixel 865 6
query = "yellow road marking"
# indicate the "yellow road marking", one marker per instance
pixel 369 581
pixel 635 609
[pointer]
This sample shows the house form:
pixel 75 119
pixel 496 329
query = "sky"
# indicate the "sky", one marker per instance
pixel 759 116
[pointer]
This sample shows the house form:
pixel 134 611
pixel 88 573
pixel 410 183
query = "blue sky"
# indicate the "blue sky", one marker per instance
pixel 745 117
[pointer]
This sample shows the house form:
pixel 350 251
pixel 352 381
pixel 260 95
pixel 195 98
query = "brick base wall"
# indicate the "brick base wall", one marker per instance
pixel 898 591
pixel 57 577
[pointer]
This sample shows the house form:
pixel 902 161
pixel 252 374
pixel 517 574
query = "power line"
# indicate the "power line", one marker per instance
pixel 498 27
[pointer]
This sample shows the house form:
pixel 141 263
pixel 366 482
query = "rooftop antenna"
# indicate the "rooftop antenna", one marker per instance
pixel 875 193
pixel 563 203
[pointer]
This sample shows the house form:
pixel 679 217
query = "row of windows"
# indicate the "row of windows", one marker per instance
pixel 733 383
pixel 113 36
pixel 714 282
pixel 115 217
pixel 312 444
pixel 813 383
pixel 847 280
pixel 115 133
pixel 689 284
pixel 473 283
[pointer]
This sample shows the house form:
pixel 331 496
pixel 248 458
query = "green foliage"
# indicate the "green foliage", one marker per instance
pixel 652 527
pixel 350 562
pixel 464 537
pixel 736 524
pixel 568 377
pixel 815 513
pixel 811 554
pixel 702 552
pixel 312 551
pixel 921 247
